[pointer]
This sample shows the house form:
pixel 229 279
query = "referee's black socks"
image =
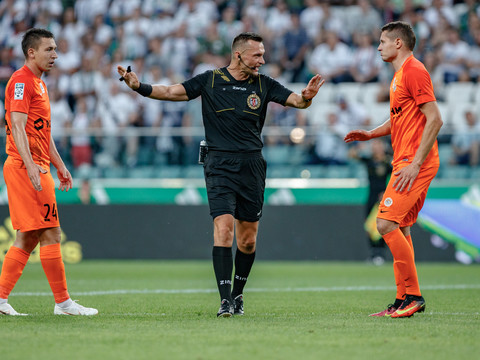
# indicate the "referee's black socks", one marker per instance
pixel 223 266
pixel 243 265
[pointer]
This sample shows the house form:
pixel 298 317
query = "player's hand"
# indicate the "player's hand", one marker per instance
pixel 406 177
pixel 312 87
pixel 34 175
pixel 357 135
pixel 66 181
pixel 129 76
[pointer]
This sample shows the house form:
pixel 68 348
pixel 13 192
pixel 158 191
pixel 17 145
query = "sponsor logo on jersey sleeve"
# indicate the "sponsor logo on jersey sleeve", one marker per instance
pixel 19 90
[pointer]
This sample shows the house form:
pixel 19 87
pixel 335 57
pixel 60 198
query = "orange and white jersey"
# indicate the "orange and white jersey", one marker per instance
pixel 411 87
pixel 26 93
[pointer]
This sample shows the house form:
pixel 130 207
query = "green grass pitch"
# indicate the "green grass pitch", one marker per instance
pixel 293 310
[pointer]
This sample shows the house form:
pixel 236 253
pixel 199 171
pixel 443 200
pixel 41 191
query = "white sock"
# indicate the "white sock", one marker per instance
pixel 65 304
pixel 3 301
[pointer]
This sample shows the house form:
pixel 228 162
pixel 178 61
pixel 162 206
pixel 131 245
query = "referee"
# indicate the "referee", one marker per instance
pixel 234 105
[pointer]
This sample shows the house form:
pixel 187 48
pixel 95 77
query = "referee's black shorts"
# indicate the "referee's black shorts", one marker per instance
pixel 235 184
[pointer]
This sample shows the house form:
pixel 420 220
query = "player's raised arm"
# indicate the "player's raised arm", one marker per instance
pixel 160 92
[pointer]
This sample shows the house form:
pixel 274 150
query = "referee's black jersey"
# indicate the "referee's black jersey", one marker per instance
pixel 234 111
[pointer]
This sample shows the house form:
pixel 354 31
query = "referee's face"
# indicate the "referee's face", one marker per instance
pixel 252 57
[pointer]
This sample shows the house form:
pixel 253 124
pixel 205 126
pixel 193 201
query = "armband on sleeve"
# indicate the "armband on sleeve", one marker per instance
pixel 144 89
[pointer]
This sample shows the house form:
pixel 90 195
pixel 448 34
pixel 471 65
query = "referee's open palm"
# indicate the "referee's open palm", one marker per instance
pixel 312 87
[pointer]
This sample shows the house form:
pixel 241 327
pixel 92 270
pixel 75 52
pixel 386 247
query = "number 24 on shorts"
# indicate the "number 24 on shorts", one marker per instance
pixel 53 213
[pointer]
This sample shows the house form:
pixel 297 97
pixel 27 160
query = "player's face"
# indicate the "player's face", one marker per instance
pixel 45 54
pixel 252 57
pixel 387 47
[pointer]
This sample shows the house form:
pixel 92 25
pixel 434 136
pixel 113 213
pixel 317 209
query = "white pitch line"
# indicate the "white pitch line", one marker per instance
pixel 287 289
pixel 427 313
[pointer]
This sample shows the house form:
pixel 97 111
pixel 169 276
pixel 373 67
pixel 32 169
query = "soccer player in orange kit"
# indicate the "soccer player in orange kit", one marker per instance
pixel 30 185
pixel 414 124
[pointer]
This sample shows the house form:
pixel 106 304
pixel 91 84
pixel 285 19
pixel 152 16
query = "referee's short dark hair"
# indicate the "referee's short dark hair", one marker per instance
pixel 32 38
pixel 402 30
pixel 242 38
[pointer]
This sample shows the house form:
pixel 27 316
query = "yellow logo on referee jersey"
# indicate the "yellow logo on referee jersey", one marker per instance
pixel 253 101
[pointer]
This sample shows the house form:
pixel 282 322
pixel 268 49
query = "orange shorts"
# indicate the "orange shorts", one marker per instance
pixel 403 207
pixel 29 209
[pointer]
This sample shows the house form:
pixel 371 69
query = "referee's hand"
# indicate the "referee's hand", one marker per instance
pixel 129 77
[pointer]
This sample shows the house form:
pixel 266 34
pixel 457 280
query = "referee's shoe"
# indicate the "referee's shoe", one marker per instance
pixel 226 309
pixel 238 305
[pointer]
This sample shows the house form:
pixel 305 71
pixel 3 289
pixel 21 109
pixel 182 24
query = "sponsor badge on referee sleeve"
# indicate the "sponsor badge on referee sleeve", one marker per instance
pixel 19 89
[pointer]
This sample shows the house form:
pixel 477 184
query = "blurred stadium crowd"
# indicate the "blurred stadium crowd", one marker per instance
pixel 102 126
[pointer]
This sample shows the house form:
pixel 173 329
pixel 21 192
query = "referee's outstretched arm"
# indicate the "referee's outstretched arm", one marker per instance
pixel 304 100
pixel 160 92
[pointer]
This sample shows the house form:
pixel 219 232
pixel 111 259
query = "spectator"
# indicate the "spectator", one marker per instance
pixel 155 56
pixel 7 67
pixel 212 42
pixel 229 26
pixel 420 28
pixel 87 10
pixel 103 32
pixel 350 113
pixel 180 50
pixel 432 62
pixel 45 19
pixel 311 19
pixel 438 10
pixel 175 146
pixel 473 61
pixel 72 29
pixel 137 31
pixel 468 21
pixel 295 46
pixel 329 148
pixel 81 151
pixel 282 120
pixel 454 54
pixel 83 82
pixel 121 10
pixel 333 22
pixel 386 10
pixel 332 59
pixel 365 19
pixel 466 141
pixel 366 64
pixel 62 119
pixel 69 60
pixel 163 25
pixel 195 15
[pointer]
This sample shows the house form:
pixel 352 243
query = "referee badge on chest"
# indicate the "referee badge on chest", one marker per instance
pixel 253 101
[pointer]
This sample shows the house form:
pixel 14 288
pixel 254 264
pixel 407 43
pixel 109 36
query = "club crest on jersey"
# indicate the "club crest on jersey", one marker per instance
pixel 388 202
pixel 253 101
pixel 19 90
